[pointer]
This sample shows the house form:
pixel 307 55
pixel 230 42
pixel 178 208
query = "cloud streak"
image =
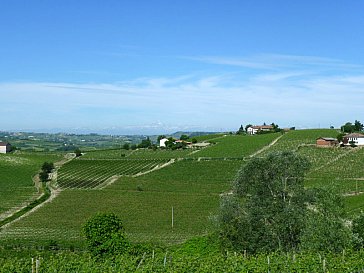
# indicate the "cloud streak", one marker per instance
pixel 289 97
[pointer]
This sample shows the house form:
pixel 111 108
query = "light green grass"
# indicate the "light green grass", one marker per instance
pixel 191 187
pixel 159 153
pixel 91 173
pixel 107 154
pixel 17 170
pixel 236 146
pixel 292 140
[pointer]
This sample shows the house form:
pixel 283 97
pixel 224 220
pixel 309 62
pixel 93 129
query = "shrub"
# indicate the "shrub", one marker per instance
pixel 104 234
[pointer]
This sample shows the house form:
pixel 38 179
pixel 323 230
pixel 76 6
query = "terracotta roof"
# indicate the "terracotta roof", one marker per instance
pixel 328 138
pixel 354 135
pixel 262 127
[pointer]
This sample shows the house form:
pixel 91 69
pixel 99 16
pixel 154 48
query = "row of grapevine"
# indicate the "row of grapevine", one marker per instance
pixel 88 174
pixel 170 262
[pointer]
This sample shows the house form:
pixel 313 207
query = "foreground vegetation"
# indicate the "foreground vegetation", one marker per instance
pixel 192 187
pixel 194 256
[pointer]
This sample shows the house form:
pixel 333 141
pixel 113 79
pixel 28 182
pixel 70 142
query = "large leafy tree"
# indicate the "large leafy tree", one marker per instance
pixel 269 206
pixel 358 126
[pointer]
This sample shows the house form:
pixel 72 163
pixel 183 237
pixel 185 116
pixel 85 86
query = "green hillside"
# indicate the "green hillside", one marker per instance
pixel 17 170
pixel 191 183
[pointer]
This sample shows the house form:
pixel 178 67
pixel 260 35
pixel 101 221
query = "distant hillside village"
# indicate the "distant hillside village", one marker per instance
pixel 351 135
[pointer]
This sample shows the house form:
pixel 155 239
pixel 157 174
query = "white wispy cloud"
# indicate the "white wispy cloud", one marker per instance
pixel 289 97
pixel 277 61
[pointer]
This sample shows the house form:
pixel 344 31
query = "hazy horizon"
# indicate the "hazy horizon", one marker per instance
pixel 146 67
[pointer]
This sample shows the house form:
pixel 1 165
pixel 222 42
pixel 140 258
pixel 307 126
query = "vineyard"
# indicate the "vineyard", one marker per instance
pixel 144 203
pixel 88 174
pixel 159 261
pixel 293 140
pixel 190 182
pixel 233 146
pixel 17 170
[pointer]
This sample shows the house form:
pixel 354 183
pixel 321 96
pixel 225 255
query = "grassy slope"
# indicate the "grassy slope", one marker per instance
pixel 191 187
pixel 338 168
pixel 236 145
pixel 16 177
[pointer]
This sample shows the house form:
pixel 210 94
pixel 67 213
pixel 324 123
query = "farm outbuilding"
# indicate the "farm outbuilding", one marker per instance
pixel 5 147
pixel 252 130
pixel 355 138
pixel 326 141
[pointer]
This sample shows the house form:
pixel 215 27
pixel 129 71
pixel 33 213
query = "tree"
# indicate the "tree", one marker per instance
pixel 78 152
pixel 358 126
pixel 184 137
pixel 47 167
pixel 104 234
pixel 348 127
pixel 43 176
pixel 126 146
pixel 340 137
pixel 247 126
pixel 325 228
pixel 241 130
pixel 269 207
pixel 146 143
pixel 275 127
pixel 358 230
pixel 160 137
pixel 194 140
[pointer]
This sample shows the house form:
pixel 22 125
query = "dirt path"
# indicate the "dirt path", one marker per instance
pixel 266 147
pixel 156 168
pixel 38 184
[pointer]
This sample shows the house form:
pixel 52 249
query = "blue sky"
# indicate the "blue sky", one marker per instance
pixel 162 66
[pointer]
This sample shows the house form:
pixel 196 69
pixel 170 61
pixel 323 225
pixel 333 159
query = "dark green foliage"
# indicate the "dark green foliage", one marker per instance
pixel 47 167
pixel 271 210
pixel 358 126
pixel 340 137
pixel 247 126
pixel 350 128
pixel 126 146
pixel 78 152
pixel 358 229
pixel 43 176
pixel 241 130
pixel 104 234
pixel 325 228
pixel 146 143
pixel 133 147
pixel 184 137
pixel 160 137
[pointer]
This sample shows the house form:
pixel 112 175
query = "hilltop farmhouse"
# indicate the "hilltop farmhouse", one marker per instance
pixel 5 147
pixel 252 130
pixel 355 138
pixel 326 142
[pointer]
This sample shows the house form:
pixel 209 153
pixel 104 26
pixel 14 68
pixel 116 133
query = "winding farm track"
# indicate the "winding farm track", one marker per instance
pixel 37 184
pixel 266 147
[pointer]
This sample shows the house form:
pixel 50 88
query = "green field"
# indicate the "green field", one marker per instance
pixel 144 203
pixel 93 173
pixel 191 185
pixel 107 154
pixel 17 170
pixel 236 146
pixel 292 140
